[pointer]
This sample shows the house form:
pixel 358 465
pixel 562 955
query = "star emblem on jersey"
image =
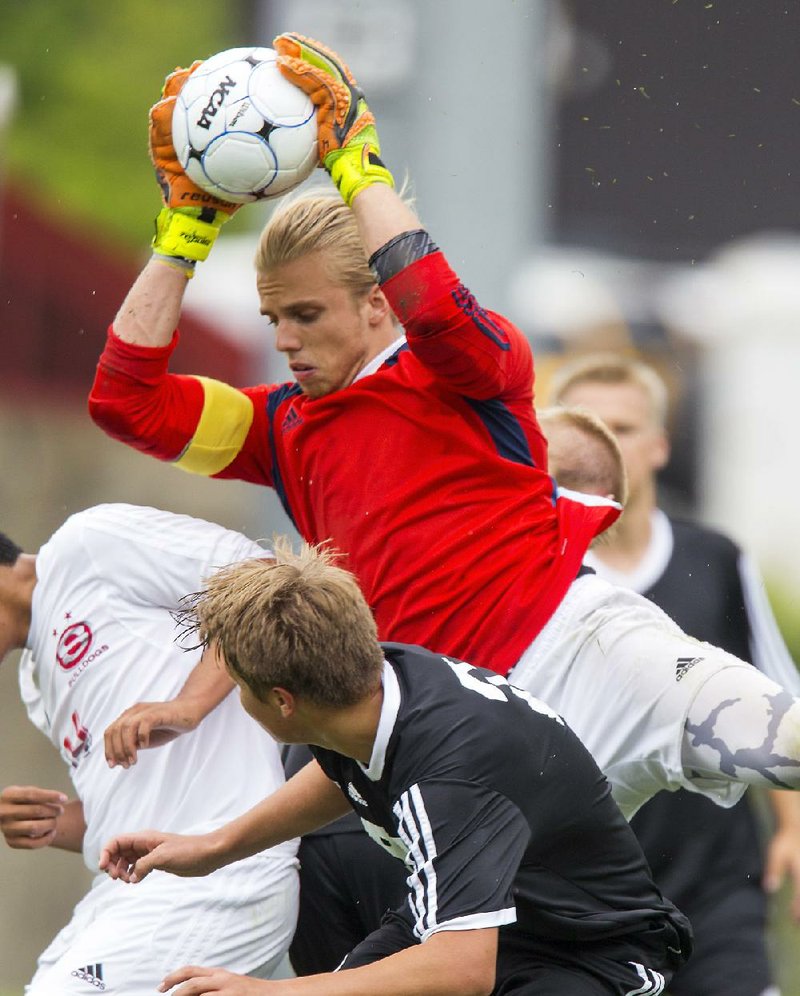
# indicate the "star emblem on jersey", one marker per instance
pixel 685 664
pixel 93 974
pixel 355 795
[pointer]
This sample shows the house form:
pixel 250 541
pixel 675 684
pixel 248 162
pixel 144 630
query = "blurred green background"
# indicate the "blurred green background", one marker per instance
pixel 87 73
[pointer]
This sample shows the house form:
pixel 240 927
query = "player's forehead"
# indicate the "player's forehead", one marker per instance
pixel 305 279
pixel 621 401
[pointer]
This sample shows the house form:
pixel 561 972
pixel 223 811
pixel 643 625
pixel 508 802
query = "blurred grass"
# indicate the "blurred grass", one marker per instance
pixel 785 935
pixel 87 74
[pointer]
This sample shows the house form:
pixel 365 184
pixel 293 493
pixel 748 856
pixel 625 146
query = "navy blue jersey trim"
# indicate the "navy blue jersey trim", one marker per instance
pixel 390 361
pixel 274 400
pixel 505 430
pixel 400 252
pixel 481 318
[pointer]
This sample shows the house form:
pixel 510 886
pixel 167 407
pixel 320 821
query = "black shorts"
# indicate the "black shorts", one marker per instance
pixel 528 968
pixel 730 956
pixel 347 883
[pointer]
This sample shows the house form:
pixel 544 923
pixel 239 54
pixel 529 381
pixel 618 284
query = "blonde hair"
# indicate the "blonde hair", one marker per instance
pixel 584 454
pixel 609 368
pixel 293 621
pixel 317 223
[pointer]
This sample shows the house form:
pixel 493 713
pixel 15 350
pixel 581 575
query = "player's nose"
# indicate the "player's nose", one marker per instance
pixel 286 338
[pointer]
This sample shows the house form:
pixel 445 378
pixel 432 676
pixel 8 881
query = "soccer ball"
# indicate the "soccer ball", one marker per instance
pixel 240 130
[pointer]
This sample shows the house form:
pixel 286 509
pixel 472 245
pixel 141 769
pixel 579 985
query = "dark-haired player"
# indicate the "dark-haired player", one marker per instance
pixel 93 608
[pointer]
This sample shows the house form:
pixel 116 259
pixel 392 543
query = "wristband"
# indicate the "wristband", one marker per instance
pixel 187 233
pixel 356 167
pixel 186 266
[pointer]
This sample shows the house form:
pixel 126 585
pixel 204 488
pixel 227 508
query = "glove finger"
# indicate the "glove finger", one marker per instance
pixel 322 89
pixel 332 98
pixel 162 150
pixel 177 78
pixel 315 53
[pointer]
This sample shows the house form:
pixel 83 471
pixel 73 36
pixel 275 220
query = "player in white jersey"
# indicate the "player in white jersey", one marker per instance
pixel 94 610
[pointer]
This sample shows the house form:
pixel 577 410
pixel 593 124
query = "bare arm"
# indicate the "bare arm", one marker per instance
pixel 457 961
pixel 152 724
pixel 783 850
pixel 306 802
pixel 150 312
pixel 32 818
pixel 70 828
pixel 382 215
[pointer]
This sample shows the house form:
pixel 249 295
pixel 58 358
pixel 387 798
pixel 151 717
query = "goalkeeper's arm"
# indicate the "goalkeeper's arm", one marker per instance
pixel 349 147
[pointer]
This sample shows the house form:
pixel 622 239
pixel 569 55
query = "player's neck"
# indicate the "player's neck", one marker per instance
pixel 351 731
pixel 16 598
pixel 632 534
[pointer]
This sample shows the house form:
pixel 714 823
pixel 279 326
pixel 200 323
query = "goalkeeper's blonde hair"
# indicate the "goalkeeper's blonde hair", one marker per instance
pixel 294 621
pixel 317 223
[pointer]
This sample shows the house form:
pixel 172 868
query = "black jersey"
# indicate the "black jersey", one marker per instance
pixel 498 811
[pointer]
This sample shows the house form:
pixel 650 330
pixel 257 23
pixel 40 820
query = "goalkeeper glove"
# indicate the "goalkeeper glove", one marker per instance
pixel 348 141
pixel 191 218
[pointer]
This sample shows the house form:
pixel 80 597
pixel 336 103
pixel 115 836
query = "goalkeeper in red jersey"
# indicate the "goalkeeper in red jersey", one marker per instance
pixel 408 440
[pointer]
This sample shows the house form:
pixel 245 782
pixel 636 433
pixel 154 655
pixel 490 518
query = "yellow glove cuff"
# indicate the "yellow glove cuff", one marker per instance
pixel 187 233
pixel 355 167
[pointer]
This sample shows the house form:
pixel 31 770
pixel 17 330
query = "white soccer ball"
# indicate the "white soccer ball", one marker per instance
pixel 240 130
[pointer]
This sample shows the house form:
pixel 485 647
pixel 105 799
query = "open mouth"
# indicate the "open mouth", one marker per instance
pixel 302 371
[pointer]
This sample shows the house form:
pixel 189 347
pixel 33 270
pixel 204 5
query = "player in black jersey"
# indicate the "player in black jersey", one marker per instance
pixel 523 875
pixel 705 858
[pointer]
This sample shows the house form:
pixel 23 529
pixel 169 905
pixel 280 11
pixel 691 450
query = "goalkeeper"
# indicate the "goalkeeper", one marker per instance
pixel 415 450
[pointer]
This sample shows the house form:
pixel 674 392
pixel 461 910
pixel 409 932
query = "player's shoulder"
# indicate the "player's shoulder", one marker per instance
pixel 118 524
pixel 445 693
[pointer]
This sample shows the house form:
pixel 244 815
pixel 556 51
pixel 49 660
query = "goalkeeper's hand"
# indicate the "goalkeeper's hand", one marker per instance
pixel 191 218
pixel 348 141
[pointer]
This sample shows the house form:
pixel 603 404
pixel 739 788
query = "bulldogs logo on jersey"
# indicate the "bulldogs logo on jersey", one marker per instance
pixel 74 650
pixel 73 645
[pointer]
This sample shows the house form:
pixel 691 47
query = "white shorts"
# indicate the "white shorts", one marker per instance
pixel 123 939
pixel 624 675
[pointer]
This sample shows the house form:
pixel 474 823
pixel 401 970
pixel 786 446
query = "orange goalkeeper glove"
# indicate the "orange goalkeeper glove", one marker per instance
pixel 191 218
pixel 348 141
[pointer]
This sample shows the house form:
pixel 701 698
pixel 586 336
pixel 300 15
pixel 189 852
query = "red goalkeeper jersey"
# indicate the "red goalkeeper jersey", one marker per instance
pixel 429 474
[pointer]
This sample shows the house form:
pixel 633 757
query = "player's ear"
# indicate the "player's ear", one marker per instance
pixel 378 308
pixel 661 451
pixel 284 701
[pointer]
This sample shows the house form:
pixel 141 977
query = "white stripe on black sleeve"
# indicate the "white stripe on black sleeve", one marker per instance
pixel 416 833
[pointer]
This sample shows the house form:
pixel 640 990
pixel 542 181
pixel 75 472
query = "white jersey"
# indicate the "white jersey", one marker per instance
pixel 102 638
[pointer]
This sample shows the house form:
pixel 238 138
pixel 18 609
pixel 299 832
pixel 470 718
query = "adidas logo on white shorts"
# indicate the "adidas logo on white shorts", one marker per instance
pixel 93 974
